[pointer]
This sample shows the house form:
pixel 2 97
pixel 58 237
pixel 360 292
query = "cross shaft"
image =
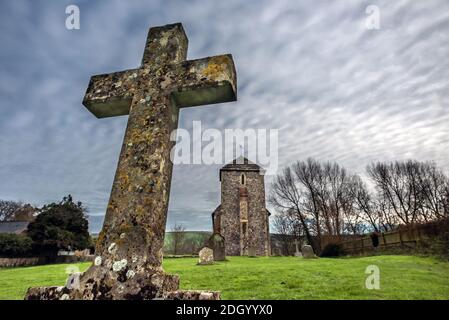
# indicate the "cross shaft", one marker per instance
pixel 151 95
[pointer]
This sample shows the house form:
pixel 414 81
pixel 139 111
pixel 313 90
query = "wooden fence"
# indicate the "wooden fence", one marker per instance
pixel 408 238
pixel 32 261
pixel 21 262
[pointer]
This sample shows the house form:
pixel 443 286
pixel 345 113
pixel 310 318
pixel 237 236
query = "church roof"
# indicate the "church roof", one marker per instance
pixel 241 164
pixel 216 211
pixel 13 227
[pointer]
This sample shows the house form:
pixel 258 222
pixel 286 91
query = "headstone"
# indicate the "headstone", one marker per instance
pixel 297 252
pixel 252 252
pixel 206 256
pixel 128 263
pixel 307 252
pixel 276 251
pixel 217 244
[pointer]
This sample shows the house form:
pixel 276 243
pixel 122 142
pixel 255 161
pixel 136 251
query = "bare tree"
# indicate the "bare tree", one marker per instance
pixel 396 184
pixel 286 194
pixel 288 230
pixel 326 200
pixel 365 204
pixel 320 197
pixel 433 186
pixel 178 236
pixel 328 188
pixel 353 217
pixel 446 199
pixel 8 208
pixel 387 220
pixel 414 191
pixel 310 175
pixel 335 187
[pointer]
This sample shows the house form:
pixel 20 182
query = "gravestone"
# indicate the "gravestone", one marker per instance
pixel 297 252
pixel 307 252
pixel 128 262
pixel 217 244
pixel 252 251
pixel 206 256
pixel 277 252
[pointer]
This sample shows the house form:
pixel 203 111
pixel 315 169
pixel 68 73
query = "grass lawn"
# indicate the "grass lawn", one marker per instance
pixel 401 277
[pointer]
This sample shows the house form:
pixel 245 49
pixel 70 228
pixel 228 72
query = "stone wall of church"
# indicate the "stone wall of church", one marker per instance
pixel 257 228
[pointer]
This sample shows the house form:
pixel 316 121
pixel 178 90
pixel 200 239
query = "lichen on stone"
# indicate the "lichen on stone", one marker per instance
pixel 98 261
pixel 216 66
pixel 130 274
pixel 112 248
pixel 119 265
pixel 65 296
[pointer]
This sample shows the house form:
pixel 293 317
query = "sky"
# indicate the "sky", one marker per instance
pixel 334 89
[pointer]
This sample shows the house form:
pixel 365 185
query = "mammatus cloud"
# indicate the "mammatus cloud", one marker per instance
pixel 335 90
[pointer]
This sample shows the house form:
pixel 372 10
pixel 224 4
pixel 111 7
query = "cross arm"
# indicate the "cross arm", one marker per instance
pixel 206 81
pixel 110 95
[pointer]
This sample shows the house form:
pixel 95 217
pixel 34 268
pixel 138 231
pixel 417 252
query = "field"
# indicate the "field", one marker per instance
pixel 401 277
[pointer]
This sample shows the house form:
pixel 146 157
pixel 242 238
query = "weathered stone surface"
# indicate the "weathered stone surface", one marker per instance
pixel 307 252
pixel 103 285
pixel 242 218
pixel 217 244
pixel 206 256
pixel 47 293
pixel 192 295
pixel 129 247
pixel 297 252
pixel 277 252
pixel 73 281
pixel 62 293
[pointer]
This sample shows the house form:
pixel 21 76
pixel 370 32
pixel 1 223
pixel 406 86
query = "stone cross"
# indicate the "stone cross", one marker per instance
pixel 129 247
pixel 297 252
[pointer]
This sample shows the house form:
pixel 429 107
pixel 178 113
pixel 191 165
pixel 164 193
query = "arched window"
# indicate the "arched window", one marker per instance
pixel 242 179
pixel 244 228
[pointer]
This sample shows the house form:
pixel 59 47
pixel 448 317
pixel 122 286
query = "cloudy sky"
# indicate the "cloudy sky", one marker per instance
pixel 334 89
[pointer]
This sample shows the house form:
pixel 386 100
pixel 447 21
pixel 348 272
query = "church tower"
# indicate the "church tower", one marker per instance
pixel 242 218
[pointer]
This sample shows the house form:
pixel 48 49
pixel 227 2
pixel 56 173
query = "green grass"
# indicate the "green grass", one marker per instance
pixel 401 277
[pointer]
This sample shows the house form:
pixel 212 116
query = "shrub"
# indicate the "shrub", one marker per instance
pixel 13 245
pixel 438 245
pixel 61 225
pixel 332 250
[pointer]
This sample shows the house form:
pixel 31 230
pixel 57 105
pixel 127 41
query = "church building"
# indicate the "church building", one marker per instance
pixel 242 218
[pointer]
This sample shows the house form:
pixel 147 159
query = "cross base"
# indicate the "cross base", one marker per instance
pixel 151 285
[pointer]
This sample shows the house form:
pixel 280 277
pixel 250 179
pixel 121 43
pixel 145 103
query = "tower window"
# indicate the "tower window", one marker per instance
pixel 244 228
pixel 242 179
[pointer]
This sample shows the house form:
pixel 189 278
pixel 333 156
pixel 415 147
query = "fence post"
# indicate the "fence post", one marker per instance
pixel 418 233
pixel 400 238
